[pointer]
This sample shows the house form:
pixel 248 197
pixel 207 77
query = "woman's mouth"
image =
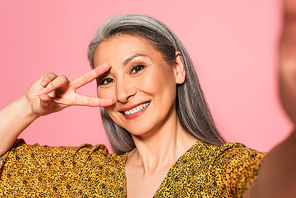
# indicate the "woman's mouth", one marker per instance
pixel 137 109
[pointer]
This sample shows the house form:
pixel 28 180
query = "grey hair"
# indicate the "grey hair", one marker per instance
pixel 192 109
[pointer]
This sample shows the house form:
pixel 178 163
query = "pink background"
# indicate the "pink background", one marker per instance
pixel 232 43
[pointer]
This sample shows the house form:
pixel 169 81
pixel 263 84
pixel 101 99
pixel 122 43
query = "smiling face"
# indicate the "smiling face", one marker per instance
pixel 140 82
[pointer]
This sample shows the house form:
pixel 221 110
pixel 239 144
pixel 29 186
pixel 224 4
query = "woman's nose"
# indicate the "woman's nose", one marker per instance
pixel 125 91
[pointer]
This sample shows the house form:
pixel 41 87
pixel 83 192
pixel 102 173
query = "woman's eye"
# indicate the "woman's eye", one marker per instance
pixel 106 81
pixel 137 68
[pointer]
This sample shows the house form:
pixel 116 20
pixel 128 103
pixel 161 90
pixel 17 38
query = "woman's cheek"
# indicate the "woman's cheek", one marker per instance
pixel 106 93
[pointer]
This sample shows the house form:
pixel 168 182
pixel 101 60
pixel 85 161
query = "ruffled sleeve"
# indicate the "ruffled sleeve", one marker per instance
pixel 42 171
pixel 238 168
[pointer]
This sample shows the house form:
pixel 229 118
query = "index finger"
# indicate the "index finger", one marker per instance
pixel 89 76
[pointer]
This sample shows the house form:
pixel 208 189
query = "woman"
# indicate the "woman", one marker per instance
pixel 157 122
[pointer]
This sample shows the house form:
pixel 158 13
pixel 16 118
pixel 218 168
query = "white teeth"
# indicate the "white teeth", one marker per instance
pixel 137 109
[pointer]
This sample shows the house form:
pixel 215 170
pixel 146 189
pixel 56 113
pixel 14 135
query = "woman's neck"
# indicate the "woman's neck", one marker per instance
pixel 162 148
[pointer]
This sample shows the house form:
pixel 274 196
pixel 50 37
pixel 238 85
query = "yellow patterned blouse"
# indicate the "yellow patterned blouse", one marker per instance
pixel 90 171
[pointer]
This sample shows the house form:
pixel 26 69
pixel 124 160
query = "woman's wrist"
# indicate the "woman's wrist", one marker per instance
pixel 25 110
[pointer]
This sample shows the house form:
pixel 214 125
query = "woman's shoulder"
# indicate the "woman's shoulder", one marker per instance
pixel 67 170
pixel 228 150
pixel 81 154
pixel 227 157
pixel 229 169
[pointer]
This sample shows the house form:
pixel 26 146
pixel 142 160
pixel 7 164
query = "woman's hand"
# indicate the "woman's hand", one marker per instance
pixel 277 175
pixel 287 60
pixel 52 93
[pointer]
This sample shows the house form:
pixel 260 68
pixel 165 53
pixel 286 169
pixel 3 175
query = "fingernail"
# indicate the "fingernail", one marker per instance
pixel 43 83
pixel 43 91
pixel 107 65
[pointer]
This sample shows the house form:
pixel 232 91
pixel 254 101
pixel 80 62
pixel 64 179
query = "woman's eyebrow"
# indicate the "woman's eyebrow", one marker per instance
pixel 132 57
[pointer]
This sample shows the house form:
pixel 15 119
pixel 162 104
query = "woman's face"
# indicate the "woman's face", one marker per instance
pixel 140 82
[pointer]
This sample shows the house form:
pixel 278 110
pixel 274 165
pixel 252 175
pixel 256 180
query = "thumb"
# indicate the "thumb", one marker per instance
pixel 45 100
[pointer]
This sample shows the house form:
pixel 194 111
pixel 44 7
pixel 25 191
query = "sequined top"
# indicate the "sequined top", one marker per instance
pixel 90 171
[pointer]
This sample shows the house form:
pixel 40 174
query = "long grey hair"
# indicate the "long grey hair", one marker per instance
pixel 191 106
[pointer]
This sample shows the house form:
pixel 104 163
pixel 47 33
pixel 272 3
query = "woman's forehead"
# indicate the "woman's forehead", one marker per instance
pixel 122 48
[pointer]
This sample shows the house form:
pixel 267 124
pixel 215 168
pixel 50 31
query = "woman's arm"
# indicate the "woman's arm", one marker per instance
pixel 15 117
pixel 50 93
pixel 277 176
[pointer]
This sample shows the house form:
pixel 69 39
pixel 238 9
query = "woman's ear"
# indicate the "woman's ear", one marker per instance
pixel 179 68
